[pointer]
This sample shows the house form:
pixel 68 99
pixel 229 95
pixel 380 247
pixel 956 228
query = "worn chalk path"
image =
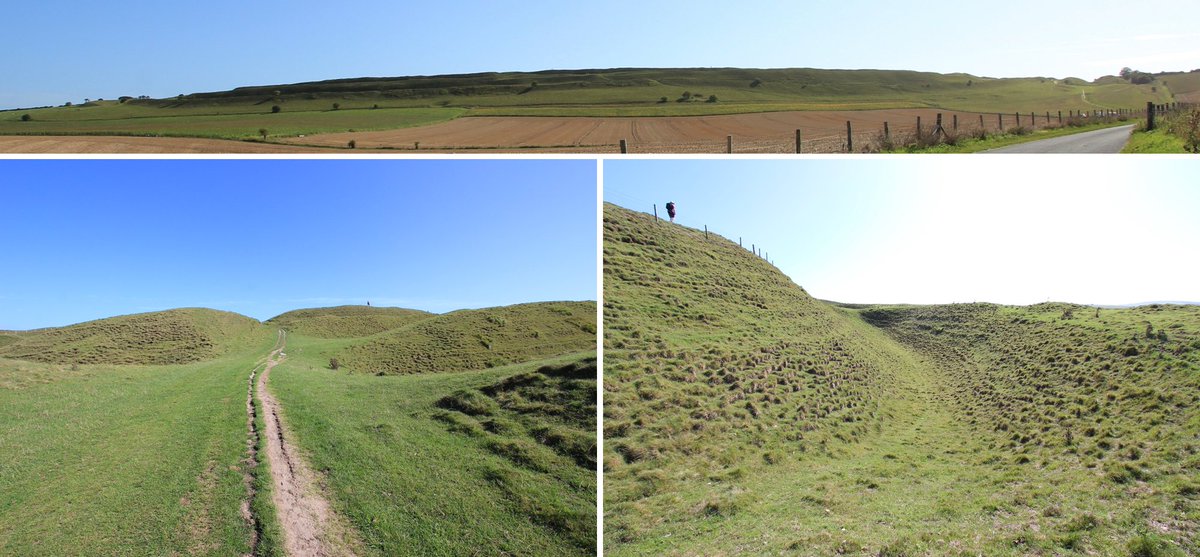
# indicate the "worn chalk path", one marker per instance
pixel 310 526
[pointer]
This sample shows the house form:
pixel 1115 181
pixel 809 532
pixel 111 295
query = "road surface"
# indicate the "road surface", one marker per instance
pixel 1108 140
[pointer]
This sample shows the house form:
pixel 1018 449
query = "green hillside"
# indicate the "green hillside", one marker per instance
pixel 364 104
pixel 346 321
pixel 165 337
pixel 744 417
pixel 476 339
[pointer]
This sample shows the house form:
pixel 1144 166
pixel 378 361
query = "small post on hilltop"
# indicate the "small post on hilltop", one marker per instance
pixel 706 232
pixel 656 212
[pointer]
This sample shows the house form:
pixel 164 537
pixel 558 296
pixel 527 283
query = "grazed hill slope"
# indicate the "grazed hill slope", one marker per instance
pixel 476 339
pixel 1109 390
pixel 166 337
pixel 744 417
pixel 346 321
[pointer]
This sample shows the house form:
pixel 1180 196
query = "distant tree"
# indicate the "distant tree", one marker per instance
pixel 68 103
pixel 532 85
pixel 263 133
pixel 662 99
pixel 179 97
pixel 970 82
pixel 1125 72
pixel 712 99
pixel 756 83
pixel 374 106
pixel 123 99
pixel 333 364
pixel 352 144
pixel 275 109
pixel 336 106
pixel 26 117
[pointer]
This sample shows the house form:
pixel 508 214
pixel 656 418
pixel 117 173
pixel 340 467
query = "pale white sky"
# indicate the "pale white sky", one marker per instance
pixel 940 229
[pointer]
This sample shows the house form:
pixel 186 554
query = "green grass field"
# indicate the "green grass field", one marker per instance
pixel 107 449
pixel 388 103
pixel 125 460
pixel 744 417
pixel 418 479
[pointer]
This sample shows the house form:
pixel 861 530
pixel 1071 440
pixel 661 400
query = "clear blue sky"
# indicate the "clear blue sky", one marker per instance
pixel 1012 229
pixel 57 51
pixel 91 239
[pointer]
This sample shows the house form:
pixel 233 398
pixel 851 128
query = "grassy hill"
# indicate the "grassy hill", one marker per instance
pixel 744 417
pixel 396 102
pixel 129 435
pixel 476 339
pixel 164 337
pixel 346 321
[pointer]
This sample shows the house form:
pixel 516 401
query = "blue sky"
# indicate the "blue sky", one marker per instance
pixel 1012 229
pixel 58 51
pixel 92 239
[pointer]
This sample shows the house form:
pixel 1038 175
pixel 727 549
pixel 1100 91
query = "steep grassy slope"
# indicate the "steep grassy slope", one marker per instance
pixel 346 321
pixel 881 431
pixel 484 462
pixel 476 339
pixel 165 337
pixel 125 460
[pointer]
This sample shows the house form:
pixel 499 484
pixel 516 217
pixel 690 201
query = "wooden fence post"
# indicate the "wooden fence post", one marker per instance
pixel 981 126
pixel 887 134
pixel 1149 116
pixel 849 138
pixel 706 232
pixel 624 147
pixel 955 122
pixel 1060 117
pixel 797 142
pixel 918 127
pixel 655 207
pixel 739 241
pixel 729 144
pixel 1000 121
pixel 1018 119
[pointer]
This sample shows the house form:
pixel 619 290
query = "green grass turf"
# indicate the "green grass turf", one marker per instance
pixel 476 339
pixel 744 417
pixel 164 337
pixel 416 478
pixel 125 460
pixel 307 108
pixel 346 321
pixel 216 122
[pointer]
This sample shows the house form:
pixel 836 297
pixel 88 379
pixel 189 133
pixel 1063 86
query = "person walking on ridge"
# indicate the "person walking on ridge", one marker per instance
pixel 671 210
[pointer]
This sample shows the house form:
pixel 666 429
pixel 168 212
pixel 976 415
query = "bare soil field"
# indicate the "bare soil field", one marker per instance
pixel 764 132
pixel 89 144
pixel 759 132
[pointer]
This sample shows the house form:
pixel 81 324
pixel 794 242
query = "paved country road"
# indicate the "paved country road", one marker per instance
pixel 1108 140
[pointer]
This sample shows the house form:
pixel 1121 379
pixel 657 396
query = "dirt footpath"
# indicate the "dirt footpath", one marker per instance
pixel 310 526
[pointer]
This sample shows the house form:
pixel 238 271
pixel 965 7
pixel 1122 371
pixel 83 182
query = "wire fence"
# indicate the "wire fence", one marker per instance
pixel 871 138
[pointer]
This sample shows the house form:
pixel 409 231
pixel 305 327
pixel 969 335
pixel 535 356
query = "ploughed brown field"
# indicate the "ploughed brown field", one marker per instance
pixel 822 131
pixel 765 132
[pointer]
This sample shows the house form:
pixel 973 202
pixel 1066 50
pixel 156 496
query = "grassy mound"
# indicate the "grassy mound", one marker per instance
pixel 166 337
pixel 744 417
pixel 477 339
pixel 346 321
